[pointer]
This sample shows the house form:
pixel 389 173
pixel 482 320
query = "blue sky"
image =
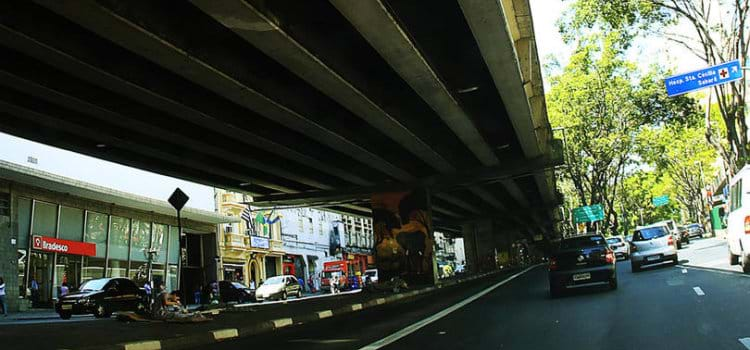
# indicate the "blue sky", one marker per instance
pixel 545 13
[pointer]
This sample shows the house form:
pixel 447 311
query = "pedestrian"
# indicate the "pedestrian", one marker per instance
pixel 3 303
pixel 34 292
pixel 334 282
pixel 64 289
pixel 252 284
pixel 197 294
pixel 301 282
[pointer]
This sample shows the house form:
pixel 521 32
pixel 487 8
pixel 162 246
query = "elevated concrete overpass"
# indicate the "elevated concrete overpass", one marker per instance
pixel 297 102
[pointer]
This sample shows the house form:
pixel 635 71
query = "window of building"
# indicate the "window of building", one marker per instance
pixel 45 219
pixel 174 245
pixel 96 232
pixel 140 239
pixel 92 268
pixel 71 224
pixel 159 238
pixel 119 238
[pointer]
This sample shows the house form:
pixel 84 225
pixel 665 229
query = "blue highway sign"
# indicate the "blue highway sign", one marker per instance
pixel 700 79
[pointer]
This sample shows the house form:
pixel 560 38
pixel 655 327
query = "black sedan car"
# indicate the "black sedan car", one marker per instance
pixel 235 291
pixel 102 297
pixel 582 261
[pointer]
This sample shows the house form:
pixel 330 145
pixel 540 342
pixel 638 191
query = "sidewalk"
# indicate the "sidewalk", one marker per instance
pixel 229 323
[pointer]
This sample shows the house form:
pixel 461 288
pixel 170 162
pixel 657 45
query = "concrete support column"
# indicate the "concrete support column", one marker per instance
pixel 402 223
pixel 469 232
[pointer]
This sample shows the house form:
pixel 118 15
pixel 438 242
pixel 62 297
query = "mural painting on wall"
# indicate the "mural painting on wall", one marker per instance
pixel 402 223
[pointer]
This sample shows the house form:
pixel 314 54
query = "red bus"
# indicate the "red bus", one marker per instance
pixel 336 268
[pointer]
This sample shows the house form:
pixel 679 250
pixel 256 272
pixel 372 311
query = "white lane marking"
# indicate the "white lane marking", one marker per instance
pixel 745 342
pixel 723 272
pixel 416 326
pixel 698 291
pixel 684 270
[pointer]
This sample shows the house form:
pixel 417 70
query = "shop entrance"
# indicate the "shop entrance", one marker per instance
pixel 40 279
pixel 234 273
pixel 68 271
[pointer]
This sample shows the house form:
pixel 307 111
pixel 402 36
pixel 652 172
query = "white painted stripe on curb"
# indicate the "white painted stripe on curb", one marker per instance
pixel 356 307
pixel 325 314
pixel 282 322
pixel 143 345
pixel 745 342
pixel 380 301
pixel 416 326
pixel 698 291
pixel 228 333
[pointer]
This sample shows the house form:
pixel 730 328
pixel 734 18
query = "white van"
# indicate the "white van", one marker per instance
pixel 738 221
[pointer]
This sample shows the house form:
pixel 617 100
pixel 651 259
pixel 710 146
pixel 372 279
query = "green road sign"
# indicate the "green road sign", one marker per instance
pixel 661 200
pixel 589 213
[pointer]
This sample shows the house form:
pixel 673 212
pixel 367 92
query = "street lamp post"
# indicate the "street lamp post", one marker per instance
pixel 178 200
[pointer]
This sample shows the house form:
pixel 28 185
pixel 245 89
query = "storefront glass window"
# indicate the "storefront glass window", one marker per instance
pixel 67 271
pixel 140 240
pixel 24 222
pixel 119 239
pixel 159 241
pixel 117 268
pixel 158 274
pixel 93 268
pixel 174 245
pixel 96 232
pixel 172 277
pixel 71 224
pixel 45 219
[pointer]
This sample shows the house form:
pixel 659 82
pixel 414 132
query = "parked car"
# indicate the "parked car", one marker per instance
pixel 619 246
pixel 582 261
pixel 681 238
pixel 102 297
pixel 738 221
pixel 373 274
pixel 652 245
pixel 695 230
pixel 278 288
pixel 235 291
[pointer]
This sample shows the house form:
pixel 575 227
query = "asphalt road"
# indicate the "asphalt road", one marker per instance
pixel 670 307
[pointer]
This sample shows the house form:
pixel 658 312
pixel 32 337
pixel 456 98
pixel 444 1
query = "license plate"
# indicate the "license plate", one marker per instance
pixel 653 258
pixel 581 276
pixel 67 307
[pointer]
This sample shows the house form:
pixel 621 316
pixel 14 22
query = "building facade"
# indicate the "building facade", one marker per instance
pixel 311 237
pixel 359 240
pixel 250 250
pixel 56 230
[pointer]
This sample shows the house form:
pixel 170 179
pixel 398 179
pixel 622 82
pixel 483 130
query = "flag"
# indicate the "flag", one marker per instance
pixel 247 215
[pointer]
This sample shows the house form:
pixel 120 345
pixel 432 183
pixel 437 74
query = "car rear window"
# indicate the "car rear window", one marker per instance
pixel 582 242
pixel 613 240
pixel 646 234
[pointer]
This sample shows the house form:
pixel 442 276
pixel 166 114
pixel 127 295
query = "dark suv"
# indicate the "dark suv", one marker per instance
pixel 102 297
pixel 582 261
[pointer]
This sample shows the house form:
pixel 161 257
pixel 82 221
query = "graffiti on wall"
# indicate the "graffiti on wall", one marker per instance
pixel 402 223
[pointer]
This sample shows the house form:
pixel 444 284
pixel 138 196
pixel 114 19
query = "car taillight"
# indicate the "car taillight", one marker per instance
pixel 747 225
pixel 670 240
pixel 610 257
pixel 552 264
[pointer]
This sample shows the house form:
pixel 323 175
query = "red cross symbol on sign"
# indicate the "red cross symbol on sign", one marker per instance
pixel 723 73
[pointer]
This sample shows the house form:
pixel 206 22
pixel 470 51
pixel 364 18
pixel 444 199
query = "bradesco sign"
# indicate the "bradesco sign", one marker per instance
pixel 49 244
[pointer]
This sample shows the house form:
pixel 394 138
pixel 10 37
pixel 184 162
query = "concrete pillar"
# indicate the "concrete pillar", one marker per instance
pixel 402 224
pixel 470 247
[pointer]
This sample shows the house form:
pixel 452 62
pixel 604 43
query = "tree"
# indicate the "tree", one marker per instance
pixel 603 103
pixel 721 33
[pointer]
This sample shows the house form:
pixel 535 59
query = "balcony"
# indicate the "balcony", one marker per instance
pixel 277 245
pixel 235 241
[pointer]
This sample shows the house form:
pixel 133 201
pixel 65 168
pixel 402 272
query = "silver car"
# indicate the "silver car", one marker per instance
pixel 619 246
pixel 652 245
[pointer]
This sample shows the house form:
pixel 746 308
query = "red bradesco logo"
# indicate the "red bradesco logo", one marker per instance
pixel 55 245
